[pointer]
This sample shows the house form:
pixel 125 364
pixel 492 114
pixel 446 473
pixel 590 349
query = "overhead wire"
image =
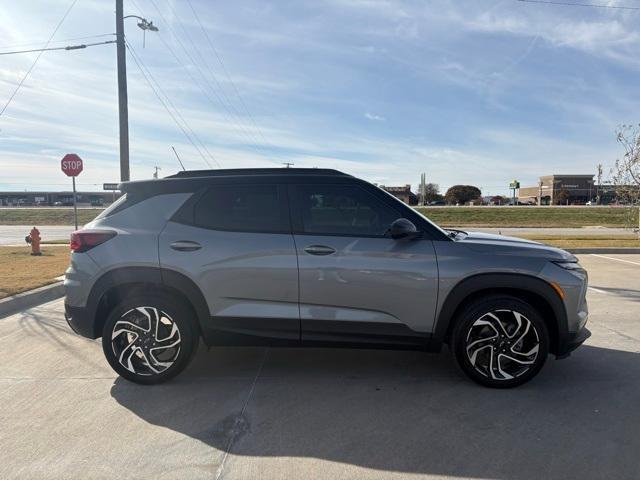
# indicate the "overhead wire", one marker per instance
pixel 226 72
pixel 227 112
pixel 147 74
pixel 68 47
pixel 26 75
pixel 72 39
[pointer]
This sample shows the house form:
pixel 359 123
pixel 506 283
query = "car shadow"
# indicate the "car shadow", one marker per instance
pixel 405 412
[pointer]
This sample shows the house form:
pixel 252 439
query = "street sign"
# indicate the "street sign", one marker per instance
pixel 71 165
pixel 514 185
pixel 110 186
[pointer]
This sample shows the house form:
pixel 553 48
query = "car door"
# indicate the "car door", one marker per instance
pixel 356 284
pixel 234 241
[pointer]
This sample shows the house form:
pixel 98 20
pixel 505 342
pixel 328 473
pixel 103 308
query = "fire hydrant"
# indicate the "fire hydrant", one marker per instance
pixel 34 240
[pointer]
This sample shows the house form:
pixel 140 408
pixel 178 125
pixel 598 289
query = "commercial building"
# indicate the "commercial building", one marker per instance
pixel 51 199
pixel 402 193
pixel 560 189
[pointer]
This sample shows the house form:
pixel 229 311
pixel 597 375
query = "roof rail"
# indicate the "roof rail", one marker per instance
pixel 256 171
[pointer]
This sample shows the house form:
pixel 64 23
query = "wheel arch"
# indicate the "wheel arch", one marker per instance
pixel 535 291
pixel 112 285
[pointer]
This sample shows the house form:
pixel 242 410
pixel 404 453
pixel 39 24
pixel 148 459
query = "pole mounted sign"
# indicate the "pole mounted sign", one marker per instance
pixel 71 165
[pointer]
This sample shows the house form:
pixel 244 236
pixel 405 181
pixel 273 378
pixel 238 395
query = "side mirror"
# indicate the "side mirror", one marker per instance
pixel 402 228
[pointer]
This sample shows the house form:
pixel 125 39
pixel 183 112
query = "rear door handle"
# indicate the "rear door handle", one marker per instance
pixel 185 246
pixel 319 250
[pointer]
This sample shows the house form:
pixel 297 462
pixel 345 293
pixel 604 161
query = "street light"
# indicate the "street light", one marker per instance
pixel 123 109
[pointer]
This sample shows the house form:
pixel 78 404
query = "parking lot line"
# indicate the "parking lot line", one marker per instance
pixel 617 259
pixel 597 290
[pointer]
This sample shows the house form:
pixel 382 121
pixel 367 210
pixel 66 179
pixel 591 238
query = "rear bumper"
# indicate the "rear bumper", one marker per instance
pixel 573 341
pixel 81 321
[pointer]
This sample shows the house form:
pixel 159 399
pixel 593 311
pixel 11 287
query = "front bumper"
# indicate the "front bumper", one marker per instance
pixel 81 321
pixel 573 341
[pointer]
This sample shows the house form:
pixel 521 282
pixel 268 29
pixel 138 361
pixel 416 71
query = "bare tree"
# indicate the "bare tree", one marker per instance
pixel 626 173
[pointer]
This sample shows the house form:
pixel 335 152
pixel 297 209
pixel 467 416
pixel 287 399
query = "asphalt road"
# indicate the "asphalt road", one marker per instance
pixel 240 413
pixel 14 234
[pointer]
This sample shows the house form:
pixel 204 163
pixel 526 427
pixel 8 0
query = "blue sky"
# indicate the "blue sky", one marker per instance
pixel 468 91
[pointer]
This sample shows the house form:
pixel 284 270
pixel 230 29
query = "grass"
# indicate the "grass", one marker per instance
pixel 19 271
pixel 445 216
pixel 549 217
pixel 46 216
pixel 586 241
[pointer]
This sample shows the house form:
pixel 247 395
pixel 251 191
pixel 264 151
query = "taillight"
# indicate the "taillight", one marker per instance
pixel 83 240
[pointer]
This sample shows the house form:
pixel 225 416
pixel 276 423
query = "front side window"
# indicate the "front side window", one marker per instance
pixel 248 208
pixel 342 210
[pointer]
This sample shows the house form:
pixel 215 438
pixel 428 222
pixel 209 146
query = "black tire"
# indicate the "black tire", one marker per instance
pixel 495 357
pixel 150 358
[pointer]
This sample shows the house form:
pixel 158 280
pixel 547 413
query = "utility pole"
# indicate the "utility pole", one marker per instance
pixel 288 164
pixel 155 174
pixel 123 109
pixel 598 187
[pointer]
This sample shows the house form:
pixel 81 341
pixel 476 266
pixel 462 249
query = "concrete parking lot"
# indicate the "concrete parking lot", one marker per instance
pixel 240 413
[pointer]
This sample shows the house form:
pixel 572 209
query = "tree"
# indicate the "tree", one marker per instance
pixel 432 192
pixel 626 172
pixel 461 194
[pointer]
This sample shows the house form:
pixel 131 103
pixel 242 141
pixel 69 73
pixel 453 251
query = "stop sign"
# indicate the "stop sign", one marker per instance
pixel 71 165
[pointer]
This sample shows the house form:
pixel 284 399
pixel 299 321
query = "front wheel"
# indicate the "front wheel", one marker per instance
pixel 149 339
pixel 500 341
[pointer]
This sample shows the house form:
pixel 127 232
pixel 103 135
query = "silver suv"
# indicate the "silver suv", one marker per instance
pixel 311 257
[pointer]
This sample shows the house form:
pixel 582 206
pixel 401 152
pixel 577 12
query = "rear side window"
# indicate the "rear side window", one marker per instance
pixel 240 208
pixel 125 201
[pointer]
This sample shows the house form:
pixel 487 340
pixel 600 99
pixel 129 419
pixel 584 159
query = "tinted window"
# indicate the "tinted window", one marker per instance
pixel 343 210
pixel 240 208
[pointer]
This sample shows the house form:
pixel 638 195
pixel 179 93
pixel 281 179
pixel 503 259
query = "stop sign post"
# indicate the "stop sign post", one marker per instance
pixel 71 165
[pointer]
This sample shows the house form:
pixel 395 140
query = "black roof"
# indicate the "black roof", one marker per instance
pixel 224 172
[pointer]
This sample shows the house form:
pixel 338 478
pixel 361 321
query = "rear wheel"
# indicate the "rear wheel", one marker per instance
pixel 500 342
pixel 149 339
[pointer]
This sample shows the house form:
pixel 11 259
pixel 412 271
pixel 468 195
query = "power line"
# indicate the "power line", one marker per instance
pixel 68 47
pixel 227 112
pixel 72 39
pixel 570 4
pixel 55 30
pixel 226 72
pixel 146 73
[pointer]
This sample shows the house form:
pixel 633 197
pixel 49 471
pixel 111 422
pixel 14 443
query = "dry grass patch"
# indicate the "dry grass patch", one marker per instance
pixel 19 271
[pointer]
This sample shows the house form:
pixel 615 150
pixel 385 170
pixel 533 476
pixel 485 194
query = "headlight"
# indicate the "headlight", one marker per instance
pixel 572 266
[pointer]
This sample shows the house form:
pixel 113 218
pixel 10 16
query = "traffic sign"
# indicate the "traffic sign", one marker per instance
pixel 110 186
pixel 71 165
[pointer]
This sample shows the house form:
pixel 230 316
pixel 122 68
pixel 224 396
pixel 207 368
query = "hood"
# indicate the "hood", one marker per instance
pixel 511 245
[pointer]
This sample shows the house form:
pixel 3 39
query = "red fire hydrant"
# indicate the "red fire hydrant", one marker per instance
pixel 34 239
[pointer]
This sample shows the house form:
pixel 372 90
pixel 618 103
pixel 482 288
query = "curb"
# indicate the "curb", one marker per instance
pixel 31 298
pixel 603 250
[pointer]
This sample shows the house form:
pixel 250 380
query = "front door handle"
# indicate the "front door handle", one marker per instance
pixel 185 246
pixel 319 250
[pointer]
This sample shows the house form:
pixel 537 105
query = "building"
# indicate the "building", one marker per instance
pixel 560 189
pixel 402 193
pixel 51 199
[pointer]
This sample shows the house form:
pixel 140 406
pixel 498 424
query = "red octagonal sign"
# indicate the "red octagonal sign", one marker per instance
pixel 71 165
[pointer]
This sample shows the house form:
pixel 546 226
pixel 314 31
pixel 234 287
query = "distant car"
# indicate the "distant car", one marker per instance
pixel 57 204
pixel 311 257
pixel 437 203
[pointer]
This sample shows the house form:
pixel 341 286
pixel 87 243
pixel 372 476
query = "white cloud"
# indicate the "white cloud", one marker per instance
pixel 372 116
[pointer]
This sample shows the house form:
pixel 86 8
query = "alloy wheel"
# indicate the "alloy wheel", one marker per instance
pixel 502 344
pixel 146 341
